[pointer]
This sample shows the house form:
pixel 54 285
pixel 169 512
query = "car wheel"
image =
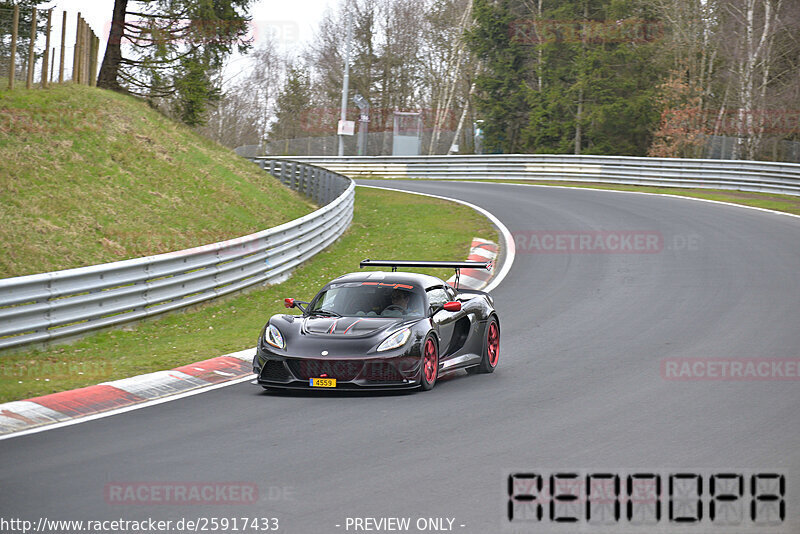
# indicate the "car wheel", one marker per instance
pixel 491 349
pixel 430 363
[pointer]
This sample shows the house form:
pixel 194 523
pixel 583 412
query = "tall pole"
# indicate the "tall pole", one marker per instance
pixel 84 52
pixel 363 149
pixel 93 61
pixel 63 48
pixel 363 123
pixel 31 50
pixel 12 62
pixel 76 50
pixel 46 61
pixel 346 82
pixel 81 50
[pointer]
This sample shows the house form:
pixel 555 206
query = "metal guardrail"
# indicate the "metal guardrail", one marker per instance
pixel 49 306
pixel 763 177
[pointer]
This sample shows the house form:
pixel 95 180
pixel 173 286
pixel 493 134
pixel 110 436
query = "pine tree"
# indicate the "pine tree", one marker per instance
pixel 292 102
pixel 576 76
pixel 500 87
pixel 166 50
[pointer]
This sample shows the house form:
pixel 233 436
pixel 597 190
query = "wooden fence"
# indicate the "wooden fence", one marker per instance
pixel 84 51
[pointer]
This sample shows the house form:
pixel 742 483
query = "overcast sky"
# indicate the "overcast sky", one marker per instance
pixel 292 21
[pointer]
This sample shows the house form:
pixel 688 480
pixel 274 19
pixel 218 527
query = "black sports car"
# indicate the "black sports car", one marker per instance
pixel 380 330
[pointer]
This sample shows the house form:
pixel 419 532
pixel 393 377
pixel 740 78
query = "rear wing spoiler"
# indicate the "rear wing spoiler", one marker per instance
pixel 457 265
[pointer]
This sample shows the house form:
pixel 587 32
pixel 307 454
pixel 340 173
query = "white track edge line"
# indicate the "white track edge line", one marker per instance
pixel 109 413
pixel 767 210
pixel 508 240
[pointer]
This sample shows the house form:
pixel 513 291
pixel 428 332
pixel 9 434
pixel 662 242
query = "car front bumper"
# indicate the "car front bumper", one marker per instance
pixel 385 372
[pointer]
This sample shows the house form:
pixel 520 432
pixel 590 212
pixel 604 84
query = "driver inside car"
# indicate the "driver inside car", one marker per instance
pixel 399 305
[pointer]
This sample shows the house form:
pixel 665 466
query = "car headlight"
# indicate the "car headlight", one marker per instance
pixel 273 337
pixel 398 339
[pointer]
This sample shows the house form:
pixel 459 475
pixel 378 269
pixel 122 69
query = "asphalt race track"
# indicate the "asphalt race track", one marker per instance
pixel 580 387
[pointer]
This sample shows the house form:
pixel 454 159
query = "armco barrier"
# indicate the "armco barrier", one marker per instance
pixel 54 305
pixel 763 177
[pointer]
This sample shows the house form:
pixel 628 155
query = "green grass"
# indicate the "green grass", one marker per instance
pixel 89 176
pixel 386 225
pixel 771 201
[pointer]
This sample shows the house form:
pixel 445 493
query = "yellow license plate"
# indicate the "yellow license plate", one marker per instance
pixel 322 382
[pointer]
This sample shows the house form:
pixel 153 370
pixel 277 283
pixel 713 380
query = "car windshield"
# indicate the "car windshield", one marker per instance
pixel 368 299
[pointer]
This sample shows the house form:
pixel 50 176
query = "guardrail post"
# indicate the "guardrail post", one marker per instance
pixel 47 314
pixel 315 185
pixel 328 186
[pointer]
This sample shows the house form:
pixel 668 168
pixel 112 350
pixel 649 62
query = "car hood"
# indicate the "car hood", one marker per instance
pixel 348 326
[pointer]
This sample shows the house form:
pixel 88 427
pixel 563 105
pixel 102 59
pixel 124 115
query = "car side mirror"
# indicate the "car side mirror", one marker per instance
pixel 452 306
pixel 294 303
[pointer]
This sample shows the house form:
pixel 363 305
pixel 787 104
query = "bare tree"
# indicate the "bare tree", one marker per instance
pixel 385 64
pixel 243 114
pixel 449 67
pixel 755 23
pixel 690 49
pixel 734 65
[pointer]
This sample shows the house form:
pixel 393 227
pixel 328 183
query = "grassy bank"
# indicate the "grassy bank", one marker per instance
pixel 90 176
pixel 386 225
